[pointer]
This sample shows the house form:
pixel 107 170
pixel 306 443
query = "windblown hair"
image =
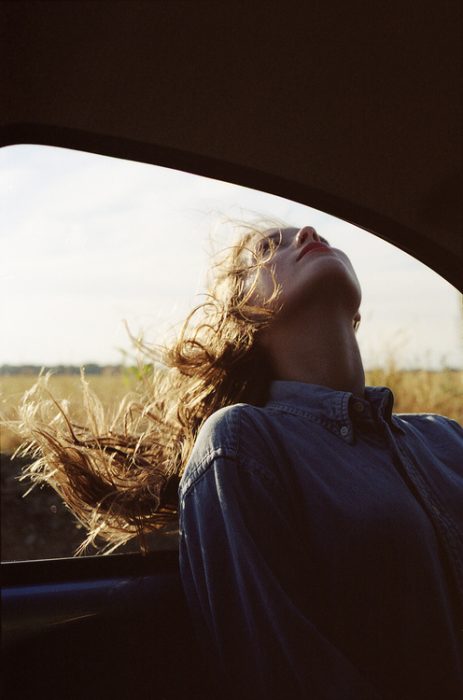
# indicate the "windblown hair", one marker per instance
pixel 119 473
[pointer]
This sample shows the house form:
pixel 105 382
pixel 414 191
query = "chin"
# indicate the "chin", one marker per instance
pixel 336 277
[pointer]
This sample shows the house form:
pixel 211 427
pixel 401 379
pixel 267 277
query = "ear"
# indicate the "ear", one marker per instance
pixel 356 320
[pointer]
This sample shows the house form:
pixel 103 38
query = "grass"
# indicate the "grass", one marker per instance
pixel 423 391
pixel 419 391
pixel 109 388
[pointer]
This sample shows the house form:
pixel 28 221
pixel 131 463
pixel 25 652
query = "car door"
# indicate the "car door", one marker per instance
pixel 351 112
pixel 98 627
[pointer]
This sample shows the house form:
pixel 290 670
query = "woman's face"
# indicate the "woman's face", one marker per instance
pixel 306 268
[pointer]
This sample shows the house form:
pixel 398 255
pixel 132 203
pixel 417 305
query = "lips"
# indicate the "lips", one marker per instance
pixel 314 245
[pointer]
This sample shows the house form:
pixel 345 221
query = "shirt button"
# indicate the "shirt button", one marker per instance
pixel 344 430
pixel 358 407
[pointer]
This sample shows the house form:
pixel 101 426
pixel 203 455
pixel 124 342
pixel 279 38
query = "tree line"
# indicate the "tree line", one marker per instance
pixel 33 370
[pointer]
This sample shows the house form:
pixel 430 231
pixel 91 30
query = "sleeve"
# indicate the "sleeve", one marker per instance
pixel 243 570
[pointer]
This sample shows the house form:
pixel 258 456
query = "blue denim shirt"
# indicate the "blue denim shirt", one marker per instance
pixel 321 547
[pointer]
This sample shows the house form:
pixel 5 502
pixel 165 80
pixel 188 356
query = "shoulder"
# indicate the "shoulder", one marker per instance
pixel 219 434
pixel 429 421
pixel 236 433
pixel 431 426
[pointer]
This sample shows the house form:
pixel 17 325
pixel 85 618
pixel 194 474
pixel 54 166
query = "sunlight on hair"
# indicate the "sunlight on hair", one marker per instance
pixel 118 471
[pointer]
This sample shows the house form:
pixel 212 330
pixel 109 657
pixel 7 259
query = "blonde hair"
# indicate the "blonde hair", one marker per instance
pixel 119 474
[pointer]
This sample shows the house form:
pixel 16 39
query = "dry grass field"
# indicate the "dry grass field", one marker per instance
pixel 422 391
pixel 41 527
pixel 109 388
pixel 415 392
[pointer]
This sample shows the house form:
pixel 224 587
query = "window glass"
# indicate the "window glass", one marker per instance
pixel 93 245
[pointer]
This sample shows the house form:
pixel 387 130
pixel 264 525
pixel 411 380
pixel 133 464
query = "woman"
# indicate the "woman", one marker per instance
pixel 320 535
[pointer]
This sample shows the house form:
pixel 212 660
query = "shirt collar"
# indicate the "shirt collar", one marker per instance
pixel 338 411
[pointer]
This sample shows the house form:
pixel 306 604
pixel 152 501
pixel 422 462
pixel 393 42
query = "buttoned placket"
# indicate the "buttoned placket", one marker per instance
pixel 429 502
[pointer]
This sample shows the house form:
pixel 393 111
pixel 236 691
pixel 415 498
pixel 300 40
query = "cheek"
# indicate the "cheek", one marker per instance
pixel 264 287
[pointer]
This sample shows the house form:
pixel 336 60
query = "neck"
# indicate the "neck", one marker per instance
pixel 316 352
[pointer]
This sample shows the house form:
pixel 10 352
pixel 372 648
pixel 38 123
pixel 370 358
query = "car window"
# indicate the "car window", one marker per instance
pixel 96 247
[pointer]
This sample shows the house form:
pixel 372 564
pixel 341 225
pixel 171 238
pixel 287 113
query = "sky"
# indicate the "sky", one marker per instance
pixel 92 245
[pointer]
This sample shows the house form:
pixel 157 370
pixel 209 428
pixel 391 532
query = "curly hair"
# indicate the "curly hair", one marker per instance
pixel 119 473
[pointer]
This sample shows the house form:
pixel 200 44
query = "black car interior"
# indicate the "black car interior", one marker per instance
pixel 353 108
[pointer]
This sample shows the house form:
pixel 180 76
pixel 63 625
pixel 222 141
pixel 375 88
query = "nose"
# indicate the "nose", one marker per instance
pixel 306 234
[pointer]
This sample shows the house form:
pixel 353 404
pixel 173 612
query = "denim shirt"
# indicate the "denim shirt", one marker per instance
pixel 321 547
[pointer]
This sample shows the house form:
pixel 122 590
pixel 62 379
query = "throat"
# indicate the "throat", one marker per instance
pixel 327 359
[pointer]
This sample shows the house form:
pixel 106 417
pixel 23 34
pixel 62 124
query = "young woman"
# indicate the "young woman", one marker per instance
pixel 321 536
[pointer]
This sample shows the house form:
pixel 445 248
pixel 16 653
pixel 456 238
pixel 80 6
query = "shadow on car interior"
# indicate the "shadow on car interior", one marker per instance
pixel 350 112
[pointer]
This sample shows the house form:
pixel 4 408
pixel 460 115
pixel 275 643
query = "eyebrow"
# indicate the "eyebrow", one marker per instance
pixel 278 234
pixel 274 236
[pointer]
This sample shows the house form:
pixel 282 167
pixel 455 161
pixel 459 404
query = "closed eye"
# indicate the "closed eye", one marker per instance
pixel 271 243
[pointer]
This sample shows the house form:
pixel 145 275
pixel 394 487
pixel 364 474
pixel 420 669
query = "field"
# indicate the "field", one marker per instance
pixel 110 388
pixel 41 527
pixel 415 392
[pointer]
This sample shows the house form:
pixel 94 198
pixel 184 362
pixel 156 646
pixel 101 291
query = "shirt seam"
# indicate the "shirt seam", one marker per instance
pixel 252 467
pixel 447 529
pixel 331 425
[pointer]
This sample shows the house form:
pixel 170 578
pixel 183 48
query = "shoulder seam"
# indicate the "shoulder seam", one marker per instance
pixel 203 468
